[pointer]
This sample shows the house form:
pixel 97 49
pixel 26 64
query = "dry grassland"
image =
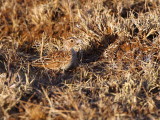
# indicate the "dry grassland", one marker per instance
pixel 118 71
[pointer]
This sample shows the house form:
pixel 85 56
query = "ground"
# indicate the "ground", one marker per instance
pixel 118 76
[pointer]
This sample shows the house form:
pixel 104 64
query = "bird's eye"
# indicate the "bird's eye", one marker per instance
pixel 71 40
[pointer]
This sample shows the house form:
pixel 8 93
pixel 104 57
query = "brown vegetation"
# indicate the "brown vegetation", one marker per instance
pixel 118 73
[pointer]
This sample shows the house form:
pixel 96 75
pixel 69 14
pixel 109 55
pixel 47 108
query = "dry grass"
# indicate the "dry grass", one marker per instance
pixel 118 76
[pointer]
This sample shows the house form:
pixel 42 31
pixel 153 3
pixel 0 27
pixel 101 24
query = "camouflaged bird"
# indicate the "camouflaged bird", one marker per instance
pixel 64 59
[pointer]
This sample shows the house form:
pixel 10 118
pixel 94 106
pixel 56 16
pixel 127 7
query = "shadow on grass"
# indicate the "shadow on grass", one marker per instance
pixel 95 52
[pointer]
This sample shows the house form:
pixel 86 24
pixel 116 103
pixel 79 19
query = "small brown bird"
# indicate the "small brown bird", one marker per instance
pixel 64 59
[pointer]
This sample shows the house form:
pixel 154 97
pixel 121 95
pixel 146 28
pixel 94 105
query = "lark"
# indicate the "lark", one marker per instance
pixel 64 59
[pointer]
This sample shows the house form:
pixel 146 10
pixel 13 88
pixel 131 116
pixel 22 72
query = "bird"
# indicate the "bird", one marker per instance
pixel 64 59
